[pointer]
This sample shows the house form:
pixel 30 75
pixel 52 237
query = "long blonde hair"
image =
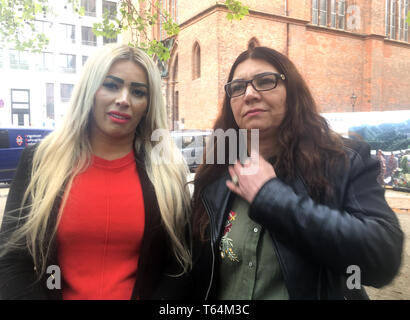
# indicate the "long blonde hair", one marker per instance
pixel 67 151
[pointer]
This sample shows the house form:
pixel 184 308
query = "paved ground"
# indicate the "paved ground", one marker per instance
pixel 399 289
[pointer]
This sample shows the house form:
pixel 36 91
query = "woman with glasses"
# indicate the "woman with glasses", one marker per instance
pixel 303 217
pixel 93 212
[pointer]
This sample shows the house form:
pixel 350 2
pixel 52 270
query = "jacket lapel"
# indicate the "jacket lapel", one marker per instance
pixel 215 198
pixel 154 241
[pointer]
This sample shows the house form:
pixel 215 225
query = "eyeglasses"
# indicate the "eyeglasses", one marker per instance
pixel 261 82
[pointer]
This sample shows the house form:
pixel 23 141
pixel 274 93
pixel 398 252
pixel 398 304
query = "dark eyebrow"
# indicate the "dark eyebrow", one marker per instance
pixel 133 84
pixel 116 79
pixel 256 76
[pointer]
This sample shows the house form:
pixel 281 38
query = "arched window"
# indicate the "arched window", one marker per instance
pixel 253 42
pixel 196 61
pixel 175 69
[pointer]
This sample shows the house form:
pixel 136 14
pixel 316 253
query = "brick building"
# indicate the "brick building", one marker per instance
pixel 342 48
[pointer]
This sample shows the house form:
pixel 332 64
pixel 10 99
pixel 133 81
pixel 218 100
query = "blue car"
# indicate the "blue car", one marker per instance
pixel 12 143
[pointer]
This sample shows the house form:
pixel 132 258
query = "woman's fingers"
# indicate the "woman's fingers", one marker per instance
pixel 233 184
pixel 248 178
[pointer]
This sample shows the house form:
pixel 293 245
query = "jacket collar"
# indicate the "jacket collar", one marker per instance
pixel 216 198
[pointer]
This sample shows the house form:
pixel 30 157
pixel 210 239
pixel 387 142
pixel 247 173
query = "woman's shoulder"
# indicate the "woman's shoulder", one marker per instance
pixel 29 150
pixel 359 157
pixel 27 155
pixel 356 148
pixel 24 165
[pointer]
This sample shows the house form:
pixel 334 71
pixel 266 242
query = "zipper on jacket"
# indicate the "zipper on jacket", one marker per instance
pixel 211 222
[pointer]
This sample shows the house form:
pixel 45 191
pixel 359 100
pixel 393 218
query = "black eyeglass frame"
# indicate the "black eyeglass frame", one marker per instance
pixel 277 76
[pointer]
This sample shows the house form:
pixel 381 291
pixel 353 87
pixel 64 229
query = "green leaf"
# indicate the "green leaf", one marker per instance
pixel 16 16
pixel 236 10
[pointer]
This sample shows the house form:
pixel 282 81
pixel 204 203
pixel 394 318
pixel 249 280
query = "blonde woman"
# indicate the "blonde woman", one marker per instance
pixel 92 212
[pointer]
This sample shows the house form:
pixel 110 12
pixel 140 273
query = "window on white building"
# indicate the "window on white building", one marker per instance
pixel 43 26
pixel 19 59
pixel 20 107
pixel 88 38
pixel 108 40
pixel 111 8
pixel 50 100
pixel 68 32
pixel 67 63
pixel 65 91
pixel 84 59
pixel 89 6
pixel 44 61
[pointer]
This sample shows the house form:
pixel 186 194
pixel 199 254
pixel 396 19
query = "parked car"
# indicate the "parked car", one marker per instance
pixel 12 143
pixel 191 143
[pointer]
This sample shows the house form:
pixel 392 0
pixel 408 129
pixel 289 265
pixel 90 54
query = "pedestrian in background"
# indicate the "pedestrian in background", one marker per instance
pixel 90 198
pixel 392 165
pixel 382 168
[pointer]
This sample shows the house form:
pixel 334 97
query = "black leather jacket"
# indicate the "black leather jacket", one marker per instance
pixel 315 243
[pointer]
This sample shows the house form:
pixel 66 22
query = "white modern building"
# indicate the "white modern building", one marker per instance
pixel 35 88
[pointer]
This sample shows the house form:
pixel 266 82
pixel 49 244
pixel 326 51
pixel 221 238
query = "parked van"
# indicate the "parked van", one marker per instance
pixel 12 143
pixel 191 143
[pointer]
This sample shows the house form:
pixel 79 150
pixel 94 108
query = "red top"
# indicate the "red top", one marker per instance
pixel 100 231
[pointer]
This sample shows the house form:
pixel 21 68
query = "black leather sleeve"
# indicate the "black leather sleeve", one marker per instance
pixel 363 232
pixel 17 274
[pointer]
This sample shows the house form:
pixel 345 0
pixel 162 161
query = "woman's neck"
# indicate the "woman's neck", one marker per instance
pixel 111 150
pixel 267 146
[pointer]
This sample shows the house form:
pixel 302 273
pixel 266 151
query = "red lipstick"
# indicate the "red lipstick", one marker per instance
pixel 119 117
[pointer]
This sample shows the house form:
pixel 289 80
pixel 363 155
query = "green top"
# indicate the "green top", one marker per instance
pixel 249 268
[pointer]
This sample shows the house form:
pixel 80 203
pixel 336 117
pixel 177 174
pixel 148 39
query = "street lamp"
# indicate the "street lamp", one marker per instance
pixel 353 100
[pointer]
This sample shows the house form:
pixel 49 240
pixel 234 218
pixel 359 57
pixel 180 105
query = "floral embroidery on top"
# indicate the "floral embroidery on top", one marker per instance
pixel 226 245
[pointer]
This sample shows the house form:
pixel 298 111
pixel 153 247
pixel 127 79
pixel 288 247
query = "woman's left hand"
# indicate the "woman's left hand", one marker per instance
pixel 250 177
